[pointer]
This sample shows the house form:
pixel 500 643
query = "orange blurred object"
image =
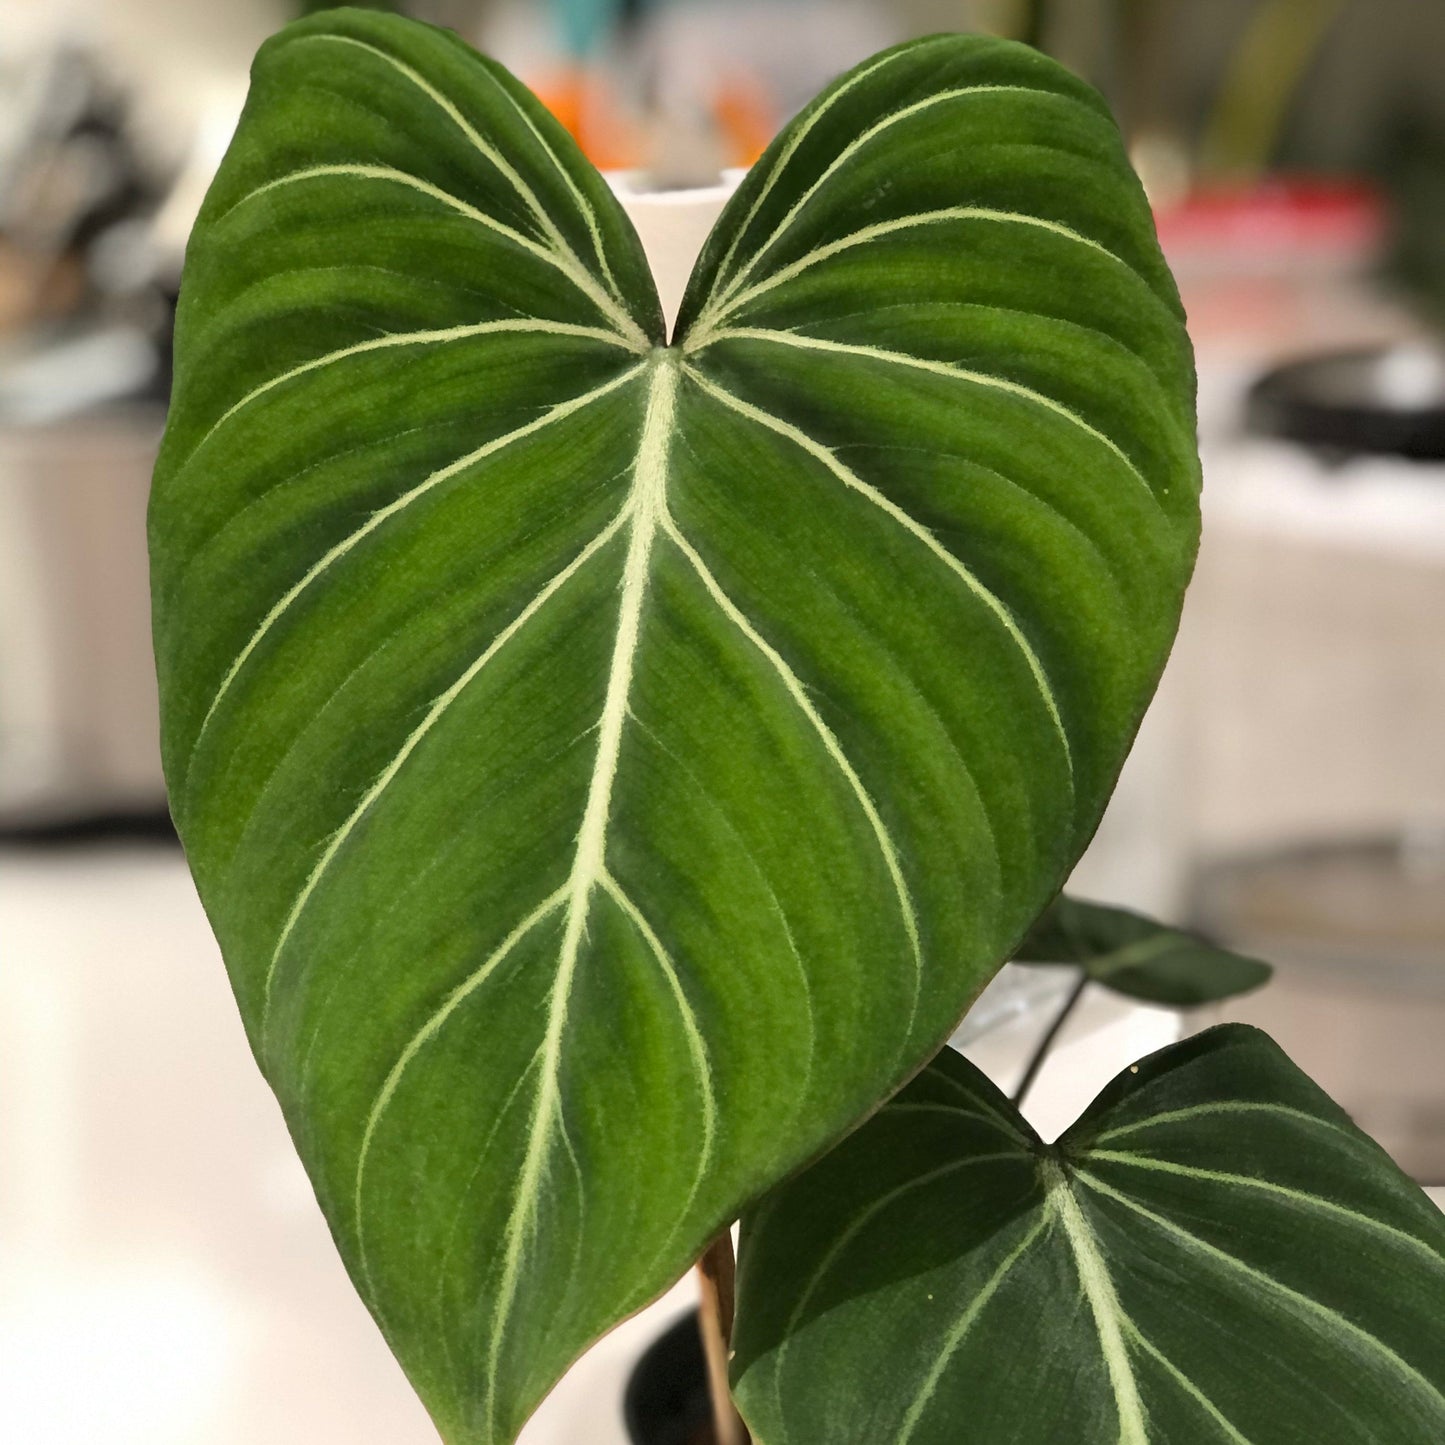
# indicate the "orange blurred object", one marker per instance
pixel 586 105
pixel 746 119
pixel 614 138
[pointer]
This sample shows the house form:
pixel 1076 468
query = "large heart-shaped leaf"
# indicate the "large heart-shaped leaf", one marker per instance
pixel 1213 1253
pixel 1134 956
pixel 609 767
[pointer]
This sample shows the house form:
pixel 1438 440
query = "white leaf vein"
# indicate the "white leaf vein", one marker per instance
pixel 392 175
pixel 795 689
pixel 433 715
pixel 589 212
pixel 1233 1106
pixel 956 1336
pixel 564 264
pixel 858 143
pixel 980 1102
pixel 700 335
pixel 646 508
pixel 794 141
pixel 512 325
pixel 976 1116
pixel 946 369
pixel 720 815
pixel 489 152
pixel 1140 1341
pixel 702 1069
pixel 1331 1320
pixel 915 529
pixel 1103 1300
pixel 1269 1186
pixel 333 554
pixel 423 1036
pixel 844 1240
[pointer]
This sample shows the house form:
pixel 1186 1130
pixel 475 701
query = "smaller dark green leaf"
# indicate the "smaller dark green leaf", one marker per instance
pixel 1212 1255
pixel 1137 957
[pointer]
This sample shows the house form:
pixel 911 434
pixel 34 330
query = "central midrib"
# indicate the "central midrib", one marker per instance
pixel 1103 1300
pixel 647 505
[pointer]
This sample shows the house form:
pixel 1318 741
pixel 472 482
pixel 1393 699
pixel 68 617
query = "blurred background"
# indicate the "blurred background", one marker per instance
pixel 164 1274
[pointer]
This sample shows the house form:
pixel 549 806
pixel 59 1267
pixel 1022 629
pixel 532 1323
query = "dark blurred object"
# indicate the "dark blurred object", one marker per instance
pixel 1274 270
pixel 1412 166
pixel 1033 22
pixel 666 1401
pixel 69 170
pixel 310 7
pixel 1387 401
pixel 85 313
pixel 85 338
pixel 152 825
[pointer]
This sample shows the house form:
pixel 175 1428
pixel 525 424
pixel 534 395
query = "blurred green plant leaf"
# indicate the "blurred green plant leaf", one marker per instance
pixel 1137 957
pixel 1213 1252
pixel 611 768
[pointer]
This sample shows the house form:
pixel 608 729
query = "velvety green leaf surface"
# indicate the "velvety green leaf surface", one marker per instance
pixel 1137 957
pixel 610 768
pixel 1212 1255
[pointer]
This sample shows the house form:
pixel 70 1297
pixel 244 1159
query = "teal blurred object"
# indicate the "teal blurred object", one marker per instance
pixel 586 24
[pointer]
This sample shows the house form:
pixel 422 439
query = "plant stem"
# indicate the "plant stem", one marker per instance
pixel 717 1271
pixel 1046 1044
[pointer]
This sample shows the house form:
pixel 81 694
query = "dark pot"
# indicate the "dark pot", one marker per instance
pixel 666 1402
pixel 1384 402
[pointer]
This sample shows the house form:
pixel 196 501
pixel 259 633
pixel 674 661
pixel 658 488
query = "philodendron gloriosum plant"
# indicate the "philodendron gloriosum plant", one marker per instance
pixel 612 765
